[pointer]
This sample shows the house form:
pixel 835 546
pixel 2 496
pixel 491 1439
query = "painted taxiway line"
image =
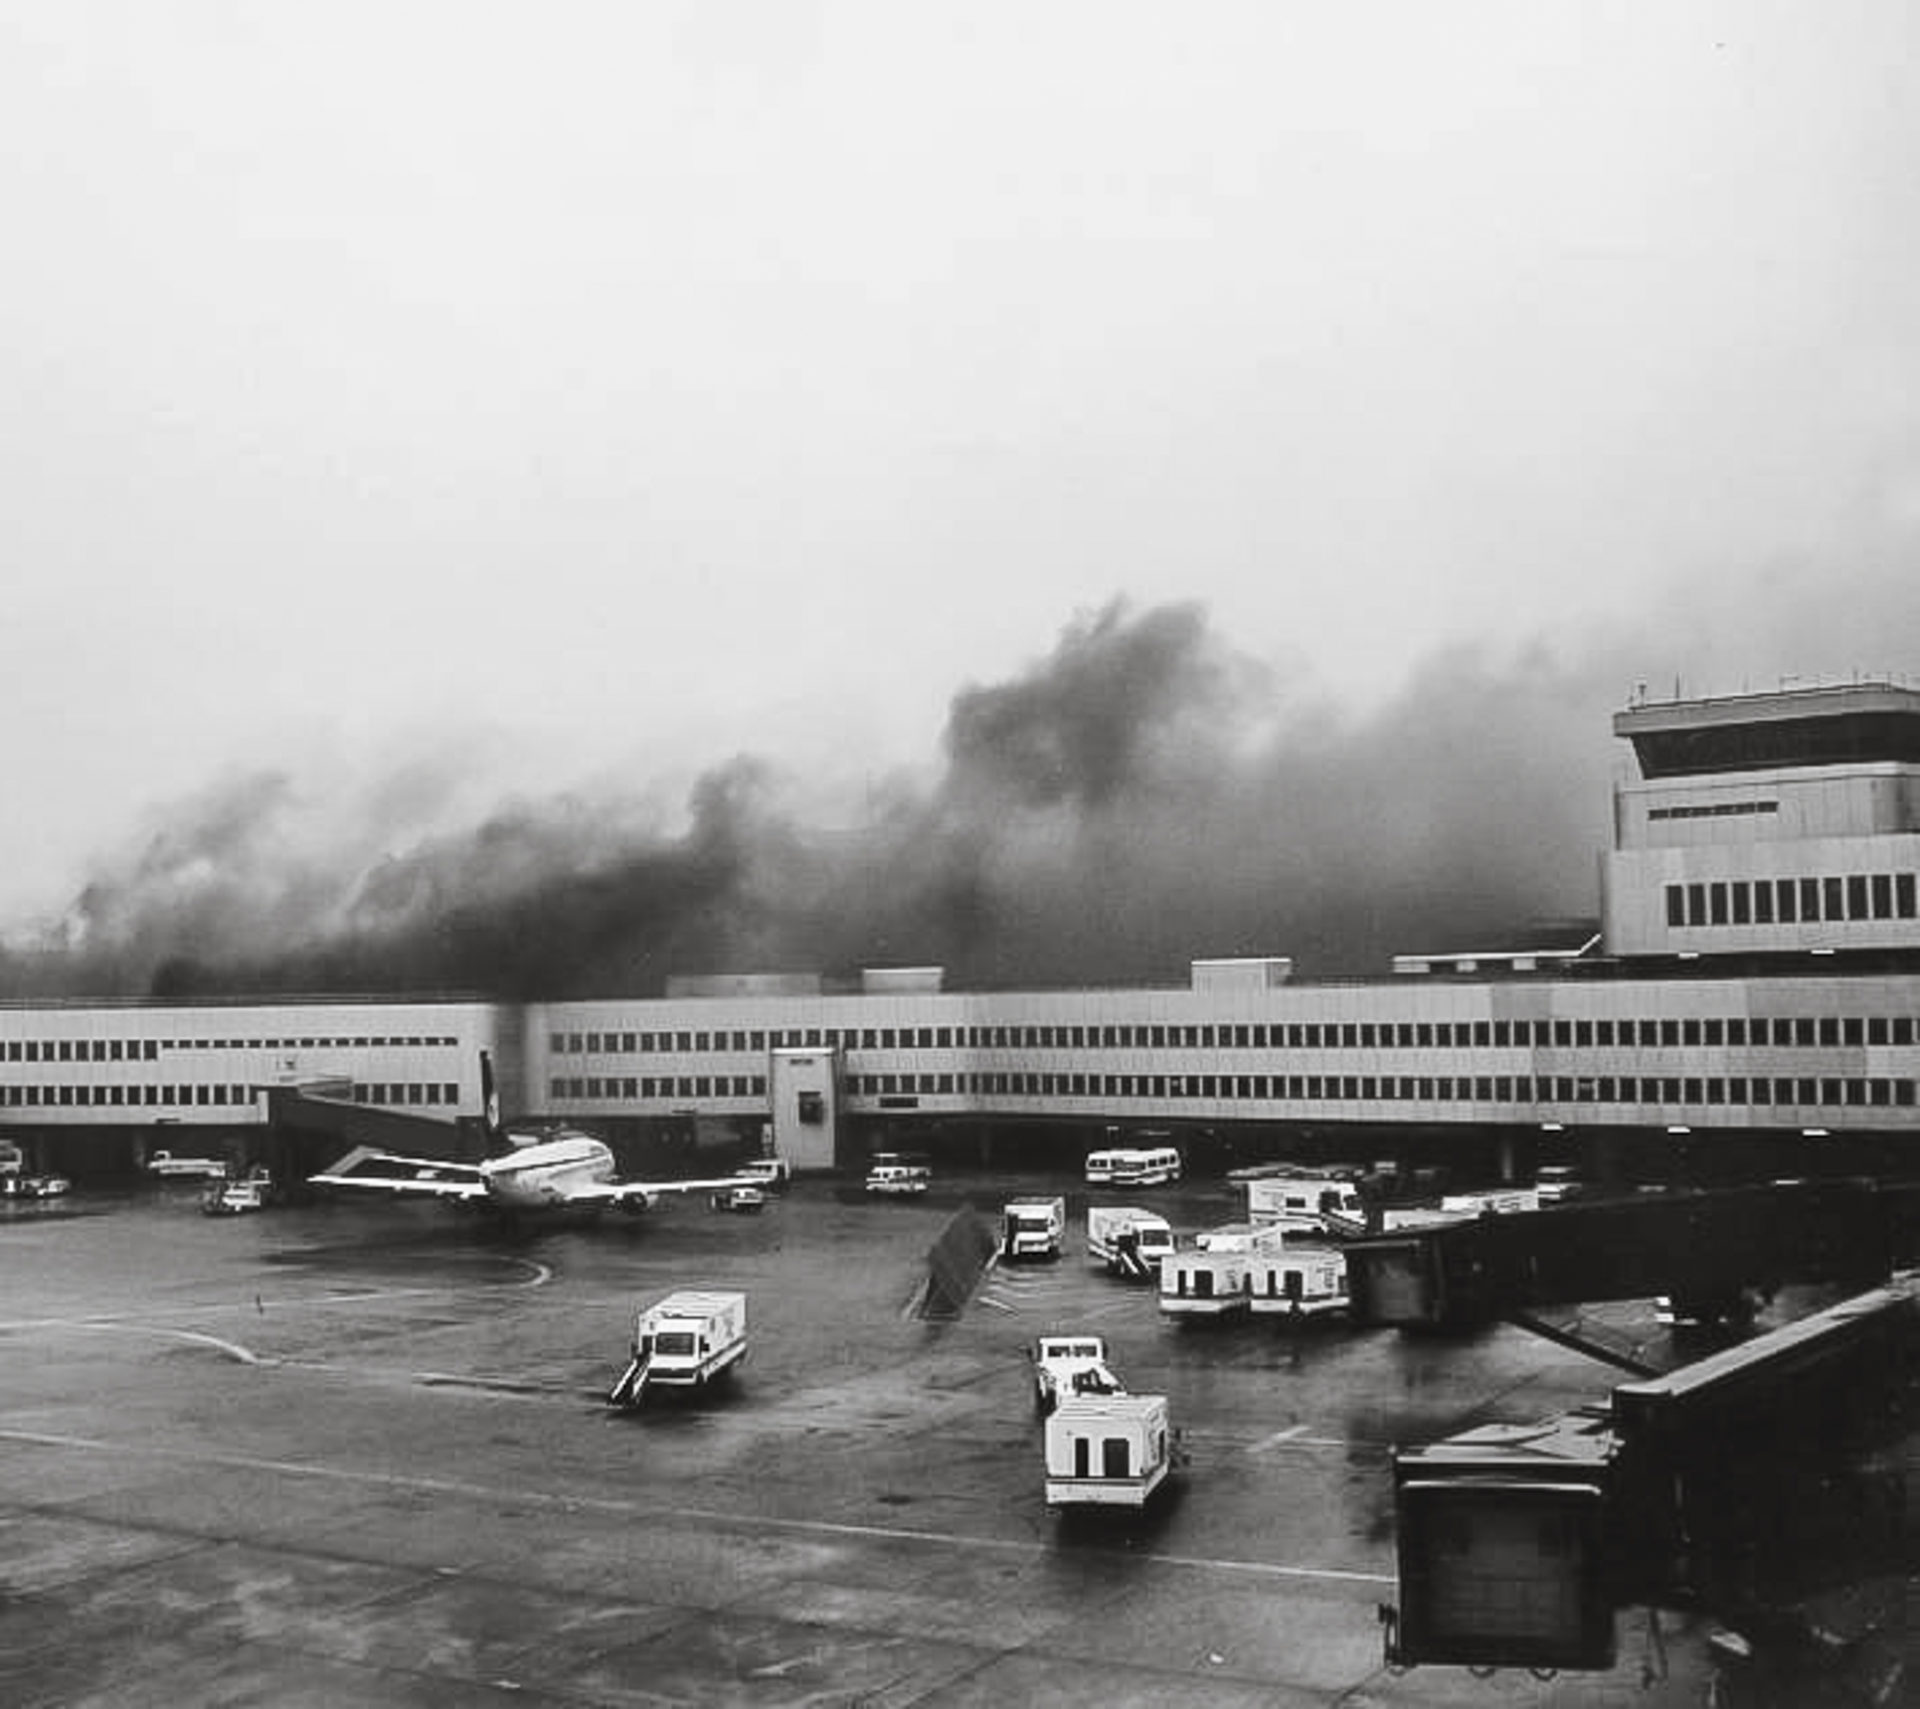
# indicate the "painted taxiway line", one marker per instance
pixel 1288 1435
pixel 108 1326
pixel 626 1509
pixel 537 1276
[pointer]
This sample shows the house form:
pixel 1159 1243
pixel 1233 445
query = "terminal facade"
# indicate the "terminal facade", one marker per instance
pixel 1756 980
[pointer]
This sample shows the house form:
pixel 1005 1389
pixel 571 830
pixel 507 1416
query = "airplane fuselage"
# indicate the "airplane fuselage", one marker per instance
pixel 546 1174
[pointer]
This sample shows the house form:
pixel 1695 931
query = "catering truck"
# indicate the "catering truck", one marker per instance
pixel 1033 1228
pixel 687 1341
pixel 1297 1281
pixel 1126 1240
pixel 1204 1286
pixel 1107 1450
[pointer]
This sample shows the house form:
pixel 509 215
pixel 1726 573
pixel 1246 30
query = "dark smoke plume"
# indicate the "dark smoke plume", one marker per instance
pixel 1142 796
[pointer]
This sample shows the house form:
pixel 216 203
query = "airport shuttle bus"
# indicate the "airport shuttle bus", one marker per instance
pixel 1134 1166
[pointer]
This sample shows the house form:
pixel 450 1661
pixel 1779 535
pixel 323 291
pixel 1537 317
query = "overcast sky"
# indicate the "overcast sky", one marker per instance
pixel 597 390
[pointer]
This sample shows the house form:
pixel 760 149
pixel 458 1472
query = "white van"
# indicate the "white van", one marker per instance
pixel 769 1174
pixel 896 1178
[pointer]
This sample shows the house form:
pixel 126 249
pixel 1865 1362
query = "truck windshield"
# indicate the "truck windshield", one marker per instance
pixel 674 1342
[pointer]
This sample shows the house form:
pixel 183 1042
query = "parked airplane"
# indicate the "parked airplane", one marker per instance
pixel 562 1169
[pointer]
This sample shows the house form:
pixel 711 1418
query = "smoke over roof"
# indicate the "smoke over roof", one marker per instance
pixel 1142 795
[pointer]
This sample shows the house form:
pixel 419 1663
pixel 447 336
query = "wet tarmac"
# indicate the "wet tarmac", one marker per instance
pixel 360 1454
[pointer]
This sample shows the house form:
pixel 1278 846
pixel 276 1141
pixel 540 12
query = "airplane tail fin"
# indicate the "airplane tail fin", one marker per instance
pixel 497 1142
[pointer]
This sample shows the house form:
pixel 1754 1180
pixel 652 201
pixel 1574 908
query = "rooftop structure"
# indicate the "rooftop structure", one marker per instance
pixel 1768 824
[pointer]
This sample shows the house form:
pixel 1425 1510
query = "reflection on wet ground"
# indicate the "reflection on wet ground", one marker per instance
pixel 411 1490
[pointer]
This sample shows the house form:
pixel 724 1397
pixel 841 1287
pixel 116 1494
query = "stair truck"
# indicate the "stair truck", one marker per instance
pixel 1033 1228
pixel 1297 1282
pixel 1127 1240
pixel 1204 1286
pixel 1107 1450
pixel 1068 1365
pixel 687 1342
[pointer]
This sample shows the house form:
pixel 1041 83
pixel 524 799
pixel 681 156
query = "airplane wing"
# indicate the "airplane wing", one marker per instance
pixel 366 1170
pixel 639 1195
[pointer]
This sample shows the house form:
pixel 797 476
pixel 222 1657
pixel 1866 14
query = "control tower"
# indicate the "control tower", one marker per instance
pixel 1778 824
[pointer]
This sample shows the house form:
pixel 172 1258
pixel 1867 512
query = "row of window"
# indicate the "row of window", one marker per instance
pixel 148 1049
pixel 1716 810
pixel 1798 1091
pixel 658 1086
pixel 410 1092
pixel 1793 901
pixel 1299 1035
pixel 1667 1090
pixel 110 1095
pixel 98 1094
pixel 1662 1090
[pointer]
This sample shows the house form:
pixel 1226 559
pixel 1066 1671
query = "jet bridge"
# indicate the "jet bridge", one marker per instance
pixel 1741 1486
pixel 1706 1250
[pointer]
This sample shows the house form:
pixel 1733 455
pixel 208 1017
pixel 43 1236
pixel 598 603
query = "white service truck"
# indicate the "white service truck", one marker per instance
pixel 1307 1203
pixel 1107 1450
pixel 1204 1285
pixel 1127 1240
pixel 687 1341
pixel 1033 1228
pixel 1068 1365
pixel 1298 1281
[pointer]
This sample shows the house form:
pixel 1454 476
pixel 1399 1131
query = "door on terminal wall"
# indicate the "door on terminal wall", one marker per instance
pixel 803 1090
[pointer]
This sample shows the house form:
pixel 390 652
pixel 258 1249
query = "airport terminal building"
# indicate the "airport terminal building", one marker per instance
pixel 1753 992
